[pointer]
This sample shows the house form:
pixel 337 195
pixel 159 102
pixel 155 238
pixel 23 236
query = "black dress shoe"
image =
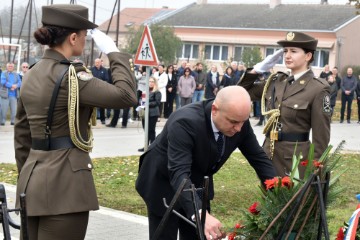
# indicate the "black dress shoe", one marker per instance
pixel 141 150
pixel 348 121
pixel 341 121
pixel 12 123
pixel 2 124
pixel 123 126
pixel 109 125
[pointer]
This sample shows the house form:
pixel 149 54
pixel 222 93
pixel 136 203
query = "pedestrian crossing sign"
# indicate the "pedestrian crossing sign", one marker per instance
pixel 146 53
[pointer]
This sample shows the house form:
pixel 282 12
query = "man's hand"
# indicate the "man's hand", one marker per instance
pixel 103 41
pixel 213 228
pixel 268 62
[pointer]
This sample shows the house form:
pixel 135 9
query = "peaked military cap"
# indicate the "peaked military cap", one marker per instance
pixel 67 16
pixel 300 40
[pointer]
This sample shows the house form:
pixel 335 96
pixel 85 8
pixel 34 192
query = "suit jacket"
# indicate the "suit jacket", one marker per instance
pixel 186 149
pixel 304 106
pixel 172 83
pixel 61 181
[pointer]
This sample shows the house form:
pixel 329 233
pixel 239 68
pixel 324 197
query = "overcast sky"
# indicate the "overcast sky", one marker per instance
pixel 105 7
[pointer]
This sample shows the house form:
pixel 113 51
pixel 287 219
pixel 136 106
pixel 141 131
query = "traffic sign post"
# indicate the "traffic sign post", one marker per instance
pixel 146 56
pixel 146 53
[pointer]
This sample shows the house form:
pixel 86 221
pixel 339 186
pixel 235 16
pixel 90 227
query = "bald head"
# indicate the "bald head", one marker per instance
pixel 231 108
pixel 233 95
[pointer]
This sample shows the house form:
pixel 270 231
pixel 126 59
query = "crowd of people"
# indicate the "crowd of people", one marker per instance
pixel 349 87
pixel 10 90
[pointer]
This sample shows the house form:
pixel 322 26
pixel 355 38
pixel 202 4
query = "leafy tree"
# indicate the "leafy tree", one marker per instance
pixel 165 41
pixel 251 56
pixel 356 5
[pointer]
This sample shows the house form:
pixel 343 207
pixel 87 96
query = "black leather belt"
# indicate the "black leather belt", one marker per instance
pixel 52 143
pixel 291 137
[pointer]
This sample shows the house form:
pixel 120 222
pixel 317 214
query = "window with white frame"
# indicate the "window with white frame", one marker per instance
pixel 271 50
pixel 321 58
pixel 238 53
pixel 216 52
pixel 189 50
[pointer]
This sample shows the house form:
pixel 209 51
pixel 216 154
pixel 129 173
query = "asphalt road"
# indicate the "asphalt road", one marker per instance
pixel 110 142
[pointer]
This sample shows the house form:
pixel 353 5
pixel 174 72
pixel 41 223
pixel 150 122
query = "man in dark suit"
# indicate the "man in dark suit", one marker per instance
pixel 187 149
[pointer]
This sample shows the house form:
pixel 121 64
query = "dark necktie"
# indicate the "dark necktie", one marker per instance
pixel 220 143
pixel 290 79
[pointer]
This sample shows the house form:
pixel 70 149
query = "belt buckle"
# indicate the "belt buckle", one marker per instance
pixel 274 135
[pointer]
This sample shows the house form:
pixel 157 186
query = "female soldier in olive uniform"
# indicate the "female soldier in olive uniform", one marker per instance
pixel 294 105
pixel 52 144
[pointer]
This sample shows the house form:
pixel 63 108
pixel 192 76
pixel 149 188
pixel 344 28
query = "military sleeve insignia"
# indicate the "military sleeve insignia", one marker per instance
pixel 326 104
pixel 84 76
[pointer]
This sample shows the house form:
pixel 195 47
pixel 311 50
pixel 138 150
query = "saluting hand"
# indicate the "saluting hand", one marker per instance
pixel 268 62
pixel 103 41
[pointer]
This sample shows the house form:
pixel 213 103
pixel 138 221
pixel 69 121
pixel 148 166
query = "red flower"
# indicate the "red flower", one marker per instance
pixel 304 163
pixel 317 164
pixel 231 236
pixel 340 235
pixel 271 183
pixel 253 210
pixel 238 225
pixel 286 182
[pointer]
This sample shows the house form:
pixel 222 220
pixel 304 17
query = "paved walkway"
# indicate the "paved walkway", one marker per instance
pixel 112 224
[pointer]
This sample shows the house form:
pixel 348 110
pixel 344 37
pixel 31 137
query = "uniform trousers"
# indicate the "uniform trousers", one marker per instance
pixel 70 226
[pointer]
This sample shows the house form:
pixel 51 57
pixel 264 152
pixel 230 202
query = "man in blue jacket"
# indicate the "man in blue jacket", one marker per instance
pixel 12 81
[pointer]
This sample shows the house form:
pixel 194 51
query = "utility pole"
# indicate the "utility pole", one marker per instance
pixel 11 25
pixel 92 40
pixel 118 25
pixel 29 31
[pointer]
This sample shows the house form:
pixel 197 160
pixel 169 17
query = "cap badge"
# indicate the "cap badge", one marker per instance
pixel 290 36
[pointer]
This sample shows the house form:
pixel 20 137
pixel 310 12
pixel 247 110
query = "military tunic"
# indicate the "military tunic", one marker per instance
pixel 304 106
pixel 60 181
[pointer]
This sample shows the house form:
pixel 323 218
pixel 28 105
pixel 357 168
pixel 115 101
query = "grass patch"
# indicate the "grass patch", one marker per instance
pixel 236 188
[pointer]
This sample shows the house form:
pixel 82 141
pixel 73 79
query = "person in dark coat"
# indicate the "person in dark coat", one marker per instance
pixel 195 142
pixel 154 110
pixel 333 92
pixel 348 86
pixel 171 89
pixel 228 78
pixel 212 83
pixel 52 157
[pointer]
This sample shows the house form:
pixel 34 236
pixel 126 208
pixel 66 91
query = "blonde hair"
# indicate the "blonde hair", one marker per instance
pixel 156 88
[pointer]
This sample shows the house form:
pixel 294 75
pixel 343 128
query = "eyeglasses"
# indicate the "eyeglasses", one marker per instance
pixel 25 66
